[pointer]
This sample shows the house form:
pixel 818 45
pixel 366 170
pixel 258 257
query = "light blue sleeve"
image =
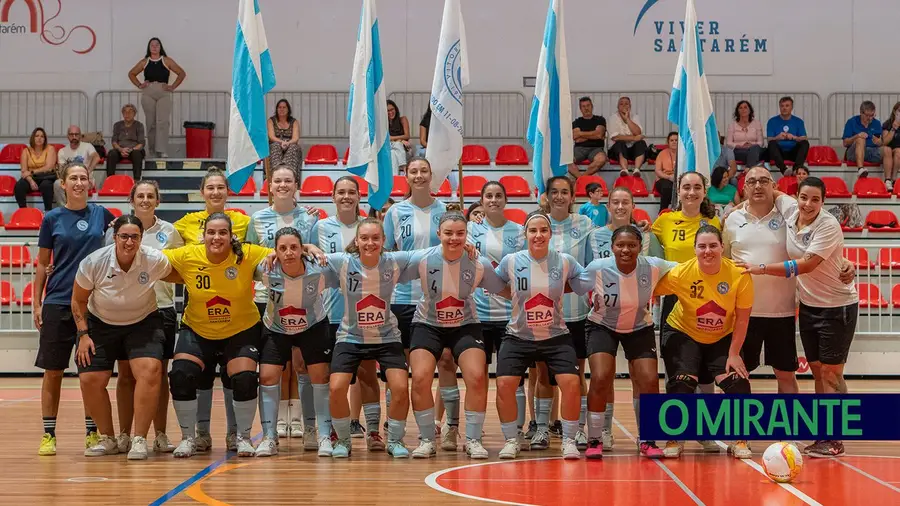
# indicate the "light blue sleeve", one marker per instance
pixel 490 281
pixel 314 234
pixel 252 237
pixel 585 209
pixel 664 266
pixel 584 281
pixel 407 263
pixel 389 242
pixel 502 270
pixel 307 233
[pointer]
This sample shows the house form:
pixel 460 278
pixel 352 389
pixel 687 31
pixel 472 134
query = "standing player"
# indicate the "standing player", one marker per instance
pixel 68 234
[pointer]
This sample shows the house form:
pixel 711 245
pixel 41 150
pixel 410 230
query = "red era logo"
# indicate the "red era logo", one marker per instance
pixel 291 311
pixel 370 312
pixel 218 301
pixel 55 35
pixel 539 311
pixel 370 301
pixel 803 365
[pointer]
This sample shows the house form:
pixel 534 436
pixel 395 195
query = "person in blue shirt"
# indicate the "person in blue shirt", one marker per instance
pixel 787 137
pixel 593 209
pixel 862 138
pixel 67 235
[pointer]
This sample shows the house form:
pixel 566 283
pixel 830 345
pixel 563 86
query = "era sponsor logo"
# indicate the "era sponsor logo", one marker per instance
pixel 711 317
pixel 450 310
pixel 218 310
pixel 371 312
pixel 539 311
pixel 293 318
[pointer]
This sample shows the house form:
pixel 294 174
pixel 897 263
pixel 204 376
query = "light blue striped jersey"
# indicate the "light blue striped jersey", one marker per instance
pixel 537 291
pixel 601 243
pixel 367 295
pixel 332 236
pixel 622 302
pixel 295 304
pixel 408 228
pixel 572 236
pixel 495 243
pixel 448 288
pixel 264 224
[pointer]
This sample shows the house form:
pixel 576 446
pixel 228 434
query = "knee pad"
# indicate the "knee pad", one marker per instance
pixel 226 380
pixel 681 384
pixel 207 378
pixel 245 385
pixel 183 379
pixel 734 384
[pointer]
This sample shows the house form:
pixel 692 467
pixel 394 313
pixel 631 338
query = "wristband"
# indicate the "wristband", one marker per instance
pixel 787 269
pixel 81 333
pixel 795 268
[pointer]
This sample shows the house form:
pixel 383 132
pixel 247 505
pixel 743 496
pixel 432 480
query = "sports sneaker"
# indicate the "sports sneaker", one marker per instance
pixel 356 429
pixel 788 172
pixel 231 441
pixel 123 441
pixel 48 445
pixel 202 443
pixel 740 450
pixel 623 172
pixel 826 449
pixel 425 450
pixel 397 449
pixel 594 449
pixel 650 450
pixel 186 448
pixel 374 442
pixel 569 450
pixel 162 444
pixel 524 443
pixel 310 438
pixel 449 439
pixel 673 449
pixel 297 431
pixel 812 447
pixel 636 172
pixel 556 429
pixel 267 448
pixel 581 440
pixel 609 442
pixel 510 450
pixel 138 448
pixel 889 184
pixel 862 172
pixel 341 449
pixel 325 447
pixel 91 439
pixel 532 428
pixel 281 428
pixel 244 446
pixel 475 450
pixel 105 446
pixel 540 441
pixel 709 446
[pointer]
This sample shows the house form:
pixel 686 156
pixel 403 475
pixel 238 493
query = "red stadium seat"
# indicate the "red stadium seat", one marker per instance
pixel 583 181
pixel 8 183
pixel 889 258
pixel 788 184
pixel 639 215
pixel 870 188
pixel 363 186
pixel 26 218
pixel 835 187
pixel 870 296
pixel 57 147
pixel 633 183
pixel 401 187
pixel 444 191
pixel 895 295
pixel 115 211
pixel 472 185
pixel 237 210
pixel 321 154
pixel 7 293
pixel 14 256
pixel 858 257
pixel 663 211
pixel 824 156
pixel 27 295
pixel 12 153
pixel 346 156
pixel 315 186
pixel 740 183
pixel 511 154
pixel 882 221
pixel 517 186
pixel 117 185
pixel 363 213
pixel 248 190
pixel 264 191
pixel 322 214
pixel 865 164
pixel 515 215
pixel 475 154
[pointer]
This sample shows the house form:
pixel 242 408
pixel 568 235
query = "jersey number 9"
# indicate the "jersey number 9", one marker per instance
pixel 203 282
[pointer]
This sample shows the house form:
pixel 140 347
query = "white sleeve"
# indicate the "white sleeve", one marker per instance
pixel 85 275
pixel 786 205
pixel 160 267
pixel 827 238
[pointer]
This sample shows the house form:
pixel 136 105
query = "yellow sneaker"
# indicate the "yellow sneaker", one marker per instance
pixel 92 439
pixel 48 445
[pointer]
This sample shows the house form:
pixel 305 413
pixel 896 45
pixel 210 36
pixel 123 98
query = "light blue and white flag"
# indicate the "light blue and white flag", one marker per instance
pixel 451 75
pixel 550 126
pixel 252 76
pixel 691 106
pixel 370 144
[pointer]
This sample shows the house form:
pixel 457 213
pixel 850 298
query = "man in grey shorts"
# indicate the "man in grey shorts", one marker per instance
pixel 589 134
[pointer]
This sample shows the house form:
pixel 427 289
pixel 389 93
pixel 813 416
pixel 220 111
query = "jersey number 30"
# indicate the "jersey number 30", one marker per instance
pixel 203 282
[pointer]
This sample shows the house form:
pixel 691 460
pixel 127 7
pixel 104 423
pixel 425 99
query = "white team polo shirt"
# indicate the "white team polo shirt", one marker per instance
pixel 823 237
pixel 757 241
pixel 162 235
pixel 119 297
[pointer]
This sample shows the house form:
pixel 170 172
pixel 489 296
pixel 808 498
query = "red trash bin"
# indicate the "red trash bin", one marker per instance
pixel 199 138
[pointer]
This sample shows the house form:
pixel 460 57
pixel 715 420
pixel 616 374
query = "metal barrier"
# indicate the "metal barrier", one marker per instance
pixel 842 106
pixel 879 306
pixel 16 276
pixel 214 106
pixel 652 108
pixel 489 116
pixel 23 111
pixel 807 106
pixel 322 114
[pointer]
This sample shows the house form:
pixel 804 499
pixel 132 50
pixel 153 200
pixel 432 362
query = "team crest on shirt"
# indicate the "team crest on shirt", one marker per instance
pixel 574 233
pixel 775 223
pixel 555 274
pixel 511 242
pixel 722 287
pixel 143 278
pixel 218 310
pixel 162 237
pixel 805 238
pixel 711 317
pixel 310 289
pixel 539 311
pixel 386 276
pixel 231 272
pixel 81 225
pixel 293 319
pixel 786 128
pixel 468 276
pixel 371 312
pixel 703 223
pixel 644 280
pixel 435 218
pixel 450 310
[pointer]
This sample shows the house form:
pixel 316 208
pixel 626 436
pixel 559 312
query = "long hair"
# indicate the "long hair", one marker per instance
pixel 353 248
pixel 894 112
pixel 355 184
pixel 34 133
pixel 290 116
pixel 235 243
pixel 737 114
pixel 475 205
pixel 162 50
pixel 395 123
pixel 707 209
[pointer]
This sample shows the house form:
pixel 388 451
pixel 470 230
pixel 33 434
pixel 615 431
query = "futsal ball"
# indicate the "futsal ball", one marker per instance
pixel 782 462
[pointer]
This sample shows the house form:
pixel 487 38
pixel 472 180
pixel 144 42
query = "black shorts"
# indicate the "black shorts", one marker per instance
pixel 144 339
pixel 516 355
pixel 435 339
pixel 684 355
pixel 639 148
pixel 493 333
pixel 826 332
pixel 212 352
pixel 57 338
pixel 170 330
pixel 579 338
pixel 638 344
pixel 404 314
pixel 780 338
pixel 315 344
pixel 348 356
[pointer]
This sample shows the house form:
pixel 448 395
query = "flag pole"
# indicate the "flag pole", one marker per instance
pixel 267 173
pixel 459 189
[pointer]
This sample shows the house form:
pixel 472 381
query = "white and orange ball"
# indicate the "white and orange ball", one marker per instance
pixel 782 462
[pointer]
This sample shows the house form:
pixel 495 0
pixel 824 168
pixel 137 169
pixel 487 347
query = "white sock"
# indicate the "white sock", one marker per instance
pixel 282 410
pixel 294 405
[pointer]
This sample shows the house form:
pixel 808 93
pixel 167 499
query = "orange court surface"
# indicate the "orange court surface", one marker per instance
pixel 869 474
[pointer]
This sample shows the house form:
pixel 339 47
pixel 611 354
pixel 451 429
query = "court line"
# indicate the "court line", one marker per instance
pixel 867 475
pixel 796 492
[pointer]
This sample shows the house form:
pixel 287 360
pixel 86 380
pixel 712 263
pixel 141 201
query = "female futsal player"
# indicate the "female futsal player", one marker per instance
pixel 68 234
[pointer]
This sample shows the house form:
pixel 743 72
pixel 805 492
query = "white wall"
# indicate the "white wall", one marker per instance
pixel 811 45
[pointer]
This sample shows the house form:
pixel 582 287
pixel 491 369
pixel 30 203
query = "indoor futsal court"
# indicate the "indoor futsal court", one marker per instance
pixel 868 475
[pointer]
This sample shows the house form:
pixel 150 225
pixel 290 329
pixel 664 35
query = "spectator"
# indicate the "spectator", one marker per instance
pixel 745 135
pixel 475 211
pixel 375 213
pixel 891 144
pixel 593 209
pixel 284 138
pixel 862 138
pixel 127 143
pixel 156 94
pixel 38 170
pixel 79 152
pixel 726 159
pixel 589 134
pixel 424 125
pixel 628 138
pixel 666 162
pixel 721 192
pixel 787 137
pixel 802 173
pixel 398 129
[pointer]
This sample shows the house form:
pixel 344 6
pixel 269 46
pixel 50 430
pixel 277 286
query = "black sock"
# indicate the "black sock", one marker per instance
pixel 89 426
pixel 50 425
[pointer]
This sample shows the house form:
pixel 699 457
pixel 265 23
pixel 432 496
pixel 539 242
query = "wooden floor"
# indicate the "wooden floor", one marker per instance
pixel 869 475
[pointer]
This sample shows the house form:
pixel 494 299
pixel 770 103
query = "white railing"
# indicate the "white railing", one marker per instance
pixel 322 114
pixel 23 111
pixel 214 106
pixel 16 275
pixel 807 106
pixel 489 116
pixel 842 106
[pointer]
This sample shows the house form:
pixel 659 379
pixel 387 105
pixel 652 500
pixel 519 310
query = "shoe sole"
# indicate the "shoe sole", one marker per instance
pixel 822 456
pixel 539 448
pixel 478 457
pixel 142 456
pixel 572 457
pixel 46 454
pixel 507 457
pixel 324 454
pixel 651 457
pixel 422 456
pixel 340 456
pixel 593 456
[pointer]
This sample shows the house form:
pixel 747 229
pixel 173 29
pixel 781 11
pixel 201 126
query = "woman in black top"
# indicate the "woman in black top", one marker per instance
pixel 398 128
pixel 156 94
pixel 424 126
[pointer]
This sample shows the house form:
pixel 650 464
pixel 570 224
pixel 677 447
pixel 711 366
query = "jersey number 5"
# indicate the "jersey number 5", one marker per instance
pixel 203 282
